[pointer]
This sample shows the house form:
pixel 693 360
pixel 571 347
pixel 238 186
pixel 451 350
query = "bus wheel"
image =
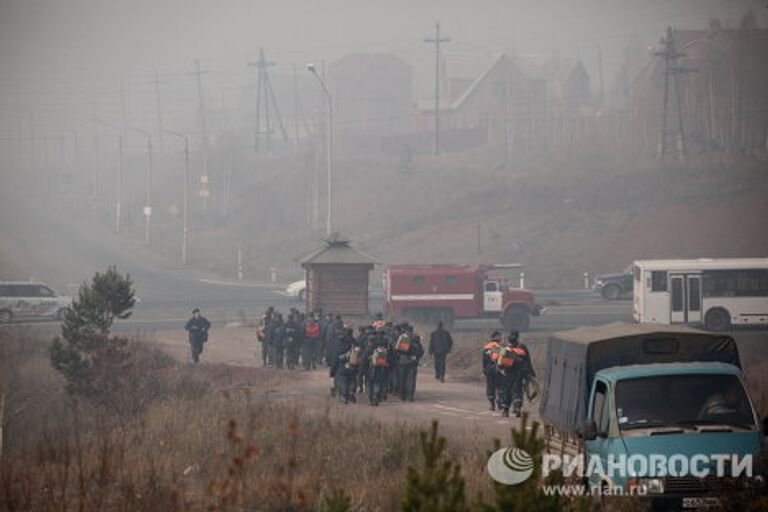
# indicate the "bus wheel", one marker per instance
pixel 717 319
pixel 612 292
pixel 516 318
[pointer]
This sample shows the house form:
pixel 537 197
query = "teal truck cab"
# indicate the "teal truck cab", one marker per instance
pixel 656 411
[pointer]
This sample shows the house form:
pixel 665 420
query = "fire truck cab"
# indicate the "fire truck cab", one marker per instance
pixel 432 293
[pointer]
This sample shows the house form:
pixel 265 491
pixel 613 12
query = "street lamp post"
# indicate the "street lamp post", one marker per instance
pixel 329 153
pixel 185 206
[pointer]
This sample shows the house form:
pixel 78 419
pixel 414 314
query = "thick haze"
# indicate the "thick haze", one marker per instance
pixel 76 52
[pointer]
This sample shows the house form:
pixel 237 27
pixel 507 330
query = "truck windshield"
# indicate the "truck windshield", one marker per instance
pixel 682 401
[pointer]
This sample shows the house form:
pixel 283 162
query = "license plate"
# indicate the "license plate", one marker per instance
pixel 700 503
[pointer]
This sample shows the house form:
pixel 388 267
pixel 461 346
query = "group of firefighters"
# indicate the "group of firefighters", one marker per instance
pixel 382 358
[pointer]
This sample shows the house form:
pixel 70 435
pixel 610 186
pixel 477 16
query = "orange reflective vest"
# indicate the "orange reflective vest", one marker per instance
pixel 492 349
pixel 509 356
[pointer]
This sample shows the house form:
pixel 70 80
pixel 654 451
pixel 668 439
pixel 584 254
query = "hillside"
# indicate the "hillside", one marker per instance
pixel 558 218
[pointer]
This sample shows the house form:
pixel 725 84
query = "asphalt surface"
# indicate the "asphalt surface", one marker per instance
pixel 64 253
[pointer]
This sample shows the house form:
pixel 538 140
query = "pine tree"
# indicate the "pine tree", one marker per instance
pixel 337 501
pixel 438 486
pixel 86 354
pixel 528 496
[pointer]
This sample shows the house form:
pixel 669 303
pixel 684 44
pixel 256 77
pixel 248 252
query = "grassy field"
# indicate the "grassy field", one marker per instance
pixel 209 439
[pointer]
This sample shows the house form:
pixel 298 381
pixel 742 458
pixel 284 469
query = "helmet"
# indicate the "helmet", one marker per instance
pixel 496 336
pixel 514 337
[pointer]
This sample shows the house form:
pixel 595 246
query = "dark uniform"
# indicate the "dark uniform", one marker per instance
pixel 197 326
pixel 490 354
pixel 293 335
pixel 277 342
pixel 377 358
pixel 345 366
pixel 512 367
pixel 440 344
pixel 409 352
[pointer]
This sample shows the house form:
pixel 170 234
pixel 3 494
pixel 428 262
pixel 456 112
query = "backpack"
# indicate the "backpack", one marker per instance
pixel 508 357
pixel 312 330
pixel 379 358
pixel 403 343
pixel 354 356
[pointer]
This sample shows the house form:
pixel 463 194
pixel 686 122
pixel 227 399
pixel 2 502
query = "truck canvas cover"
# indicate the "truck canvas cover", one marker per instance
pixel 574 357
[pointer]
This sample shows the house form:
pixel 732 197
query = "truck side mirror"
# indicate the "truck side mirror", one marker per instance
pixel 590 430
pixel 765 426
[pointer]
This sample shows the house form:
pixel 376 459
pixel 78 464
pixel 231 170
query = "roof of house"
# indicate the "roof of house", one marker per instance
pixel 337 251
pixel 465 66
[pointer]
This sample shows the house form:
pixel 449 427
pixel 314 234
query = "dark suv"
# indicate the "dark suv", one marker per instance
pixel 615 286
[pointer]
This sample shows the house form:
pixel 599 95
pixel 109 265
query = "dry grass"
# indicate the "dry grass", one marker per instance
pixel 225 446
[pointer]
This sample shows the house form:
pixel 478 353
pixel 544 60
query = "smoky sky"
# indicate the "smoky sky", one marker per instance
pixel 76 51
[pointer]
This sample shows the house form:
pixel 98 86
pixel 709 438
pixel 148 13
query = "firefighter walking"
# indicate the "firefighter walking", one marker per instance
pixel 490 354
pixel 440 345
pixel 513 366
pixel 409 351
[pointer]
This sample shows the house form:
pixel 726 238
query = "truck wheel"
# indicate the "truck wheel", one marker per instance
pixel 516 318
pixel 5 317
pixel 717 319
pixel 612 292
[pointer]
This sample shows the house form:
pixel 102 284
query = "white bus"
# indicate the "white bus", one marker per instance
pixel 717 293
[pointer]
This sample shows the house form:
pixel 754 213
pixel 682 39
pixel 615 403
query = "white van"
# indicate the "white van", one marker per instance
pixel 21 301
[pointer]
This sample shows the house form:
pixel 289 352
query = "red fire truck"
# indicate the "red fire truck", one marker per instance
pixel 435 293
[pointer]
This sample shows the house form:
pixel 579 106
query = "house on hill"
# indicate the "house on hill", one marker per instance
pixel 486 99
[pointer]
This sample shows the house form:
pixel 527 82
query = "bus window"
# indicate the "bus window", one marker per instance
pixel 694 297
pixel 658 281
pixel 735 283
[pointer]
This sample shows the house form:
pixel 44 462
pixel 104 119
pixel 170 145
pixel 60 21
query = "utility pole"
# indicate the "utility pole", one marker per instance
pixel 600 73
pixel 198 73
pixel 266 95
pixel 436 41
pixel 185 196
pixel 156 82
pixel 296 111
pixel 671 69
pixel 120 186
pixel 329 150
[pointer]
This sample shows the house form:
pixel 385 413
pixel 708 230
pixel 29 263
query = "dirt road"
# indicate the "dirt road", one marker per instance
pixel 460 407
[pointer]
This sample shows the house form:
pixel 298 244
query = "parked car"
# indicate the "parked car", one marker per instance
pixel 297 289
pixel 31 301
pixel 615 286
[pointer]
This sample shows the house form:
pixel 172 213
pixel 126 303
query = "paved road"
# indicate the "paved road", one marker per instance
pixel 64 253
